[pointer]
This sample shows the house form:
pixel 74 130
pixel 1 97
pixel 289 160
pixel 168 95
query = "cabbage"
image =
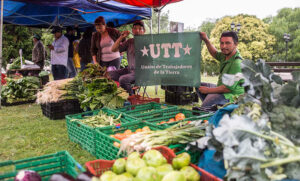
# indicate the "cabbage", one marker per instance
pixel 181 160
pixel 119 166
pixel 27 175
pixel 174 176
pixel 127 175
pixel 163 170
pixel 154 158
pixel 190 173
pixel 107 176
pixel 147 174
pixel 133 166
pixel 133 155
pixel 122 178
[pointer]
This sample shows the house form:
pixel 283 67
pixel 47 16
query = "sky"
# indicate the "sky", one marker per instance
pixel 193 12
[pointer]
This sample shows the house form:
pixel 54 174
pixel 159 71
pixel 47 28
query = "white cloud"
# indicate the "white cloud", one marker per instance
pixel 194 12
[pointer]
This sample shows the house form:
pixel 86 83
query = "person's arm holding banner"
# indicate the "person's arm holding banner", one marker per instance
pixel 211 49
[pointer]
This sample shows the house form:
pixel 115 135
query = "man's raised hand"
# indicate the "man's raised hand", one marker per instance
pixel 124 34
pixel 203 36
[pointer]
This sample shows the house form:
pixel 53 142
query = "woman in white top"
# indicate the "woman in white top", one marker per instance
pixel 101 44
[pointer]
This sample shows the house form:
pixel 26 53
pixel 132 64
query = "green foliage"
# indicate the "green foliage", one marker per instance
pixel 286 121
pixel 22 89
pixel 207 27
pixel 124 62
pixel 259 80
pixel 290 94
pixel 15 38
pixel 287 21
pixel 94 89
pixel 164 23
pixel 16 63
pixel 254 40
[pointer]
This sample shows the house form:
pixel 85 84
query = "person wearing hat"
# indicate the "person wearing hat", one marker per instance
pixel 102 41
pixel 70 34
pixel 59 54
pixel 38 51
pixel 126 76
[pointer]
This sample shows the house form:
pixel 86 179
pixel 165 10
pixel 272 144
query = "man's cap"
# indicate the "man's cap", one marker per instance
pixel 139 22
pixel 56 29
pixel 38 37
pixel 69 28
pixel 100 20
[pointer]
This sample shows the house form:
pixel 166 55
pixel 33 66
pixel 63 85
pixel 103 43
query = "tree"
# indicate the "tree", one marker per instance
pixel 208 66
pixel 15 38
pixel 286 21
pixel 207 26
pixel 164 23
pixel 254 40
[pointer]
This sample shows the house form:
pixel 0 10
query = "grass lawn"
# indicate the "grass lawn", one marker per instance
pixel 25 132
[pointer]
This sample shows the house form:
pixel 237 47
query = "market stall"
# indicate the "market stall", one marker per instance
pixel 44 14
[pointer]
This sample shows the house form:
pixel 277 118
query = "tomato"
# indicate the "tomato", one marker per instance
pixel 119 136
pixel 179 116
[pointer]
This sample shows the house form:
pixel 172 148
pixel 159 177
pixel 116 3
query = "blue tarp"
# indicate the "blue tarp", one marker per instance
pixel 207 161
pixel 45 13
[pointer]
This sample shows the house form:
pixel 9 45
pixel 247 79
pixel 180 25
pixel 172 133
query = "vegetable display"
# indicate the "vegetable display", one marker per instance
pixel 100 120
pixel 16 63
pixel 152 166
pixel 53 91
pixel 94 89
pixel 246 140
pixel 91 87
pixel 182 133
pixel 44 73
pixel 22 89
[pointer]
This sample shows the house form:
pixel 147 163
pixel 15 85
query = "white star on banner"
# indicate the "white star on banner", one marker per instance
pixel 145 51
pixel 187 49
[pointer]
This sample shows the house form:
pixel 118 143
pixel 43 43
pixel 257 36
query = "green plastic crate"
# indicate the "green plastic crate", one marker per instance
pixel 180 148
pixel 142 110
pixel 45 166
pixel 104 143
pixel 190 115
pixel 84 134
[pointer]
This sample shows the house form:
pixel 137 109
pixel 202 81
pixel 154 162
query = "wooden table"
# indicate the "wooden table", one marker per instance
pixel 25 72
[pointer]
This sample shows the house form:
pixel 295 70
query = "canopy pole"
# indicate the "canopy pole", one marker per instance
pixel 1 32
pixel 158 31
pixel 151 25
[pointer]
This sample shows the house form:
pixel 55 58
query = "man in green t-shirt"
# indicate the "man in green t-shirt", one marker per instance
pixel 230 63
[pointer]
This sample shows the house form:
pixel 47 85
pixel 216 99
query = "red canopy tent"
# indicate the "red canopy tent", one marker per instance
pixel 148 3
